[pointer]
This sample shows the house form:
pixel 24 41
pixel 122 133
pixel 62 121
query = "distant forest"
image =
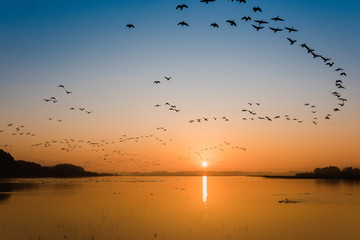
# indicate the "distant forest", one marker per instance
pixel 332 172
pixel 11 168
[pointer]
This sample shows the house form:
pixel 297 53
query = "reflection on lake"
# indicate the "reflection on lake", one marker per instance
pixel 175 208
pixel 204 185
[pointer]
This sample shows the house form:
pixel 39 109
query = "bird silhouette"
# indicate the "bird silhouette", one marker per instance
pixel 183 23
pixel 182 6
pixel 277 19
pixel 157 105
pixel 291 41
pixel 67 92
pixel 47 100
pixel 168 78
pixel 130 26
pixel 291 29
pixel 72 108
pixel 214 25
pixel 338 69
pixel 325 59
pixel 62 86
pixel 246 18
pixel 275 29
pixel 315 55
pixel 157 82
pixel 261 22
pixel 257 9
pixel 330 64
pixel 343 74
pixel 257 27
pixel 232 22
pixel 207 1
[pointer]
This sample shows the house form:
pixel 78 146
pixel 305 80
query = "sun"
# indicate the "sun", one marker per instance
pixel 204 164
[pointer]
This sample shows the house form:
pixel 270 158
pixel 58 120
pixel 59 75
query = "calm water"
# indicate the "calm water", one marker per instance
pixel 178 208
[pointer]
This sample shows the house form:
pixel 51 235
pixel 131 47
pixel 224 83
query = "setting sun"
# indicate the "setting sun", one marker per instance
pixel 204 164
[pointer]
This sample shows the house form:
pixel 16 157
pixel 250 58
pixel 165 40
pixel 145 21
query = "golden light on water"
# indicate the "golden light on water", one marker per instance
pixel 204 164
pixel 204 188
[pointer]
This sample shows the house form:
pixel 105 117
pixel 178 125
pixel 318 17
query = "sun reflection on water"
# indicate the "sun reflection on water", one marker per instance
pixel 204 188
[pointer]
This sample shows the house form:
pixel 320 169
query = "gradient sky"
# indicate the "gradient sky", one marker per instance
pixel 110 70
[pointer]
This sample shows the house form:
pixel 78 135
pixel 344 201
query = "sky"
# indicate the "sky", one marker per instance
pixel 216 72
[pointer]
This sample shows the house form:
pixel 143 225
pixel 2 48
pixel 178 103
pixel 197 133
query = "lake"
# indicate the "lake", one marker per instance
pixel 179 208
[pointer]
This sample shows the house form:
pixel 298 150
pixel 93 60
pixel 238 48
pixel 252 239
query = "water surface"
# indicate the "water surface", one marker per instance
pixel 178 208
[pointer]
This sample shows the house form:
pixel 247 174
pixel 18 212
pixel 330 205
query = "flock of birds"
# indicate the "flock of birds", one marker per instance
pixel 69 145
pixel 55 100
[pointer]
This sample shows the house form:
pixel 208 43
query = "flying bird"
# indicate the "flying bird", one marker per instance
pixel 291 29
pixel 214 25
pixel 168 78
pixel 325 59
pixel 232 22
pixel 62 86
pixel 246 18
pixel 275 29
pixel 277 19
pixel 343 74
pixel 256 27
pixel 338 69
pixel 182 6
pixel 130 26
pixel 291 41
pixel 67 92
pixel 257 9
pixel 183 23
pixel 207 1
pixel 157 82
pixel 261 22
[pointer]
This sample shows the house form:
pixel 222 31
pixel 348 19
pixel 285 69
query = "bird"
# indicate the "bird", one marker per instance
pixel 257 9
pixel 343 74
pixel 67 92
pixel 130 26
pixel 275 29
pixel 291 41
pixel 157 105
pixel 81 109
pixel 62 86
pixel 336 109
pixel 157 82
pixel 214 25
pixel 261 22
pixel 72 108
pixel 183 23
pixel 46 100
pixel 338 81
pixel 325 59
pixel 315 55
pixel 256 27
pixel 207 1
pixel 246 18
pixel 88 112
pixel 232 22
pixel 330 64
pixel 168 78
pixel 277 19
pixel 182 6
pixel 291 29
pixel 338 69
